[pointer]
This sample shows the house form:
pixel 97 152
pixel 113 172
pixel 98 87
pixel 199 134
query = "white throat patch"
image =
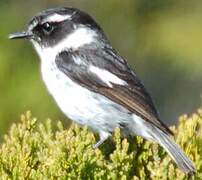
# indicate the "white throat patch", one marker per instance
pixel 76 39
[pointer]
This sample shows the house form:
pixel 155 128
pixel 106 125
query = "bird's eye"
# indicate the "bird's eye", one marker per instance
pixel 47 28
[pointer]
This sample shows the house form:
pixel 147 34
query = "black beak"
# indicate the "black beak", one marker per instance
pixel 21 35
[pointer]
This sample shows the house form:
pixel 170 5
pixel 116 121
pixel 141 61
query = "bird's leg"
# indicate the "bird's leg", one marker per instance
pixel 95 146
pixel 103 137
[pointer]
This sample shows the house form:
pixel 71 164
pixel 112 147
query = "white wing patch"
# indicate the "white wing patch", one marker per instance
pixel 56 18
pixel 78 60
pixel 107 76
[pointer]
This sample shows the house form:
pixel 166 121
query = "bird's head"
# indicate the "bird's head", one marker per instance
pixel 61 28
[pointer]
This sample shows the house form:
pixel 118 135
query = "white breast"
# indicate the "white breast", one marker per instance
pixel 80 104
pixel 73 99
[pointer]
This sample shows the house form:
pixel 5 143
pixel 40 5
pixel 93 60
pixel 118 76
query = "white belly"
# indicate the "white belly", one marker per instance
pixel 86 107
pixel 80 104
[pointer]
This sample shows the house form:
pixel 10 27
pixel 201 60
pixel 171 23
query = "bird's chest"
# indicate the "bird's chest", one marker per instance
pixel 75 101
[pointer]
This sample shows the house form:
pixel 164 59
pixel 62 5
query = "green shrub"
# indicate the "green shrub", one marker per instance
pixel 34 150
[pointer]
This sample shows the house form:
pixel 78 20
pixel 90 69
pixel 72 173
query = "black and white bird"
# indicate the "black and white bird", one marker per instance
pixel 91 83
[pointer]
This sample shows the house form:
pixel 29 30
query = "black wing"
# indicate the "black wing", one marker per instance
pixel 133 96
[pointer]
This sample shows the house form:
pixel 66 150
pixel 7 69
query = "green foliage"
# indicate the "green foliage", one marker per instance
pixel 33 150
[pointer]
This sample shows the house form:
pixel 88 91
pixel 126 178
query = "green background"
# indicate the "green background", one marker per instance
pixel 162 40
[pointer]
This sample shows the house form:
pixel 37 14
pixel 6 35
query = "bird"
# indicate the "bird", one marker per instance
pixel 92 83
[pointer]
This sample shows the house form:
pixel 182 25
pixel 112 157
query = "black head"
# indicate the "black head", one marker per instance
pixel 53 25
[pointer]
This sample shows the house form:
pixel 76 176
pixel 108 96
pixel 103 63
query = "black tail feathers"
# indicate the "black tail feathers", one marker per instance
pixel 175 152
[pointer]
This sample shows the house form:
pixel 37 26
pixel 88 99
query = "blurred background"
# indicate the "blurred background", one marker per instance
pixel 162 41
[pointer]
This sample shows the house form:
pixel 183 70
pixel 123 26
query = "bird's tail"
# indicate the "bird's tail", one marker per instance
pixel 175 152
